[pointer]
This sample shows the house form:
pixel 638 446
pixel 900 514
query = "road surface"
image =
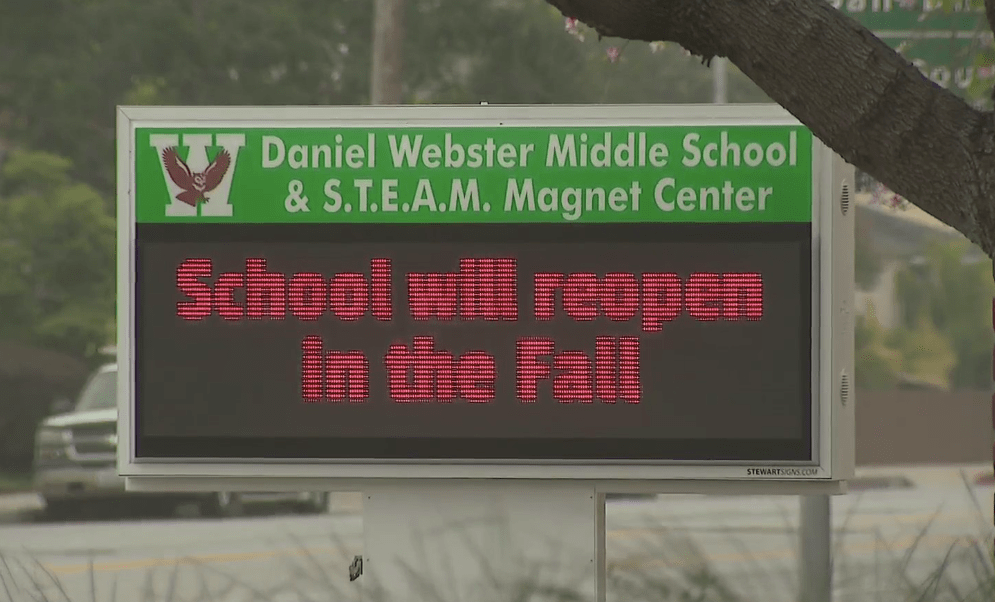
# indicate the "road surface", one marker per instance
pixel 748 541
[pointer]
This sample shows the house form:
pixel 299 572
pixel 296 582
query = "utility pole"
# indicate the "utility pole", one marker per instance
pixel 388 42
pixel 720 80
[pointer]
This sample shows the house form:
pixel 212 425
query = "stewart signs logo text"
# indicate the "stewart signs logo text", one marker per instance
pixel 781 472
pixel 198 185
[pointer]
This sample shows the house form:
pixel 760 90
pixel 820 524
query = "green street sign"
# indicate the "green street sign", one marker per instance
pixel 942 38
pixel 540 173
pixel 901 16
pixel 951 62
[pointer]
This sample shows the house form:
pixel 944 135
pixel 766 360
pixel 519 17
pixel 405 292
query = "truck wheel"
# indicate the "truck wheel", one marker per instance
pixel 222 505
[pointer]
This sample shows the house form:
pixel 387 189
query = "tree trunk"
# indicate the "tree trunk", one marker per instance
pixel 388 41
pixel 857 95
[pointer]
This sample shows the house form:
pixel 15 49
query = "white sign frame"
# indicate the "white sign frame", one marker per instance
pixel 832 312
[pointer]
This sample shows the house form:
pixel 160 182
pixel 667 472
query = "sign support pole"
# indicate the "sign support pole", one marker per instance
pixel 478 539
pixel 815 538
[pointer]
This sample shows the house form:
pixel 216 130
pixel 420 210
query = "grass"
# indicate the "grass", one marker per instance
pixel 668 566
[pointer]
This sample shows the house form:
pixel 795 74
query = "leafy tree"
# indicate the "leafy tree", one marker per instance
pixel 498 52
pixel 57 286
pixel 876 365
pixel 57 280
pixel 883 357
pixel 867 260
pixel 926 354
pixel 944 336
pixel 518 62
pixel 953 291
pixel 65 65
pixel 855 93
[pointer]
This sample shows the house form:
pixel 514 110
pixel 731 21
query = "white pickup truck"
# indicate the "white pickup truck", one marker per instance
pixel 75 461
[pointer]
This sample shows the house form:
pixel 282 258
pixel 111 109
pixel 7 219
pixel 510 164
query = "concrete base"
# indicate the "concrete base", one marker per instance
pixel 481 540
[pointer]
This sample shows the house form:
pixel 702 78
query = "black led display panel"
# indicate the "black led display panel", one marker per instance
pixel 489 342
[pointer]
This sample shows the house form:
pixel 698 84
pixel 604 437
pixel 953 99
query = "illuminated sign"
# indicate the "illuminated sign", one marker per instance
pixel 404 286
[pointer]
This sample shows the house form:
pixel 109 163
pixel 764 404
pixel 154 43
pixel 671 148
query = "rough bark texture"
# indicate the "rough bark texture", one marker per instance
pixel 857 95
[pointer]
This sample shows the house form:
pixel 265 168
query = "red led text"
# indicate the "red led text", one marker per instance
pixel 422 373
pixel 482 289
pixel 657 297
pixel 333 376
pixel 611 375
pixel 264 294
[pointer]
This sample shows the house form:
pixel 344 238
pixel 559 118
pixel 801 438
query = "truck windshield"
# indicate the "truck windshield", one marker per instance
pixel 100 393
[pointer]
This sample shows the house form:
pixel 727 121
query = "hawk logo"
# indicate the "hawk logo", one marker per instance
pixel 197 185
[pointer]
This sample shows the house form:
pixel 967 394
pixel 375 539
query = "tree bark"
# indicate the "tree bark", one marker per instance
pixel 857 95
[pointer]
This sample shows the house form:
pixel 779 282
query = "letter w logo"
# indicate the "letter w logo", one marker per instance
pixel 197 181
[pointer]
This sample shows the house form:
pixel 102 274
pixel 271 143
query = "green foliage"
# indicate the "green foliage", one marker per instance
pixel 867 261
pixel 57 280
pixel 945 336
pixel 952 291
pixel 876 365
pixel 65 65
pixel 926 353
pixel 510 52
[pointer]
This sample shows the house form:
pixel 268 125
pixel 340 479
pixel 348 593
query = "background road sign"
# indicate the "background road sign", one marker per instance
pixel 944 42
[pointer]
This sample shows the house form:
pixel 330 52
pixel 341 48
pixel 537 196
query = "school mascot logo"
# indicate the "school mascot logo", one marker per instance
pixel 198 184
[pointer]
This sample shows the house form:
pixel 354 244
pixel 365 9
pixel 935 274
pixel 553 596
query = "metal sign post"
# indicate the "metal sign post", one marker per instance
pixel 483 317
pixel 815 536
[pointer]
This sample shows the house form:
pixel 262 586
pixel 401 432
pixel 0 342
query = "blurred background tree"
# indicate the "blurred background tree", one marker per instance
pixel 57 236
pixel 102 53
pixel 944 336
pixel 57 291
pixel 950 289
pixel 876 365
pixel 868 262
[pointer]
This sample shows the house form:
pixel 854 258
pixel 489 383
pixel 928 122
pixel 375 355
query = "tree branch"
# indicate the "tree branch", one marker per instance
pixel 857 95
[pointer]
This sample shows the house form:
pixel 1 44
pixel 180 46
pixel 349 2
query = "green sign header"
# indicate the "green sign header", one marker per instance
pixel 887 18
pixel 474 174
